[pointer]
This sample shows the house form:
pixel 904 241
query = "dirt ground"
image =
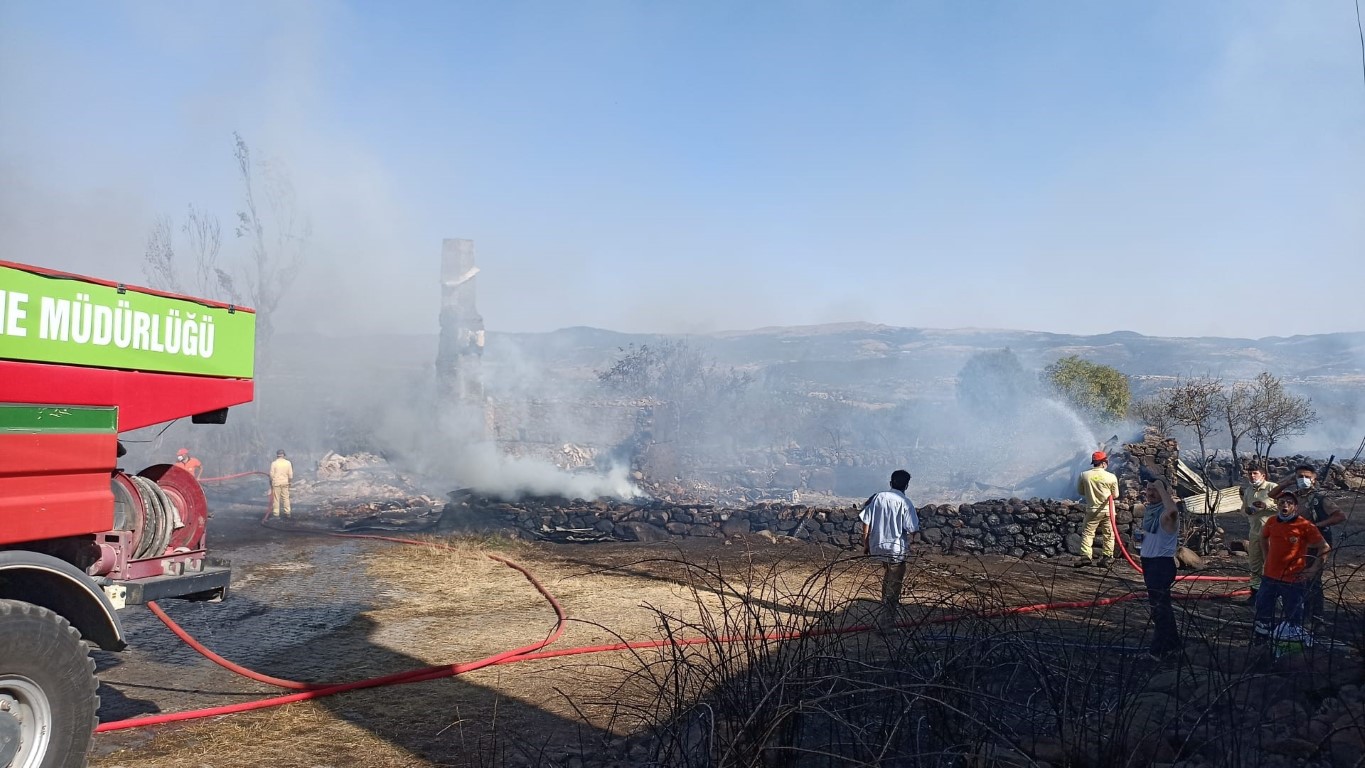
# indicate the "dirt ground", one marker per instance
pixel 306 606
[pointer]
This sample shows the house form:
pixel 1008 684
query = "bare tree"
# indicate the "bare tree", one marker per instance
pixel 162 260
pixel 1194 405
pixel 158 261
pixel 1155 411
pixel 1236 406
pixel 1276 414
pixel 277 235
pixel 205 237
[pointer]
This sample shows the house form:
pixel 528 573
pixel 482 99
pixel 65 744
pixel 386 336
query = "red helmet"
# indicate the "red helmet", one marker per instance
pixel 1098 456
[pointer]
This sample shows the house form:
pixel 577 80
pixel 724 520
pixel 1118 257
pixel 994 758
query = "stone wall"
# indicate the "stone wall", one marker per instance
pixel 1017 527
pixel 1222 472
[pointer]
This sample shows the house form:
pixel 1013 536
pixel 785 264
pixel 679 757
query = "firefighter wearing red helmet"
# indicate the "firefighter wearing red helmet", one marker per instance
pixel 1098 487
pixel 185 461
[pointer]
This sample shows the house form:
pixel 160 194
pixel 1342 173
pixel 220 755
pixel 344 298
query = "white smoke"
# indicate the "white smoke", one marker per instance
pixel 450 446
pixel 484 468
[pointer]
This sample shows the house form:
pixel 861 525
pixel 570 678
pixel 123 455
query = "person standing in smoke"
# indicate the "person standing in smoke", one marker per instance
pixel 1319 510
pixel 1098 487
pixel 1258 505
pixel 1160 539
pixel 889 523
pixel 281 475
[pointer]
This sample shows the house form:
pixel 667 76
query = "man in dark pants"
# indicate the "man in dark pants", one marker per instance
pixel 1322 512
pixel 1294 552
pixel 1160 538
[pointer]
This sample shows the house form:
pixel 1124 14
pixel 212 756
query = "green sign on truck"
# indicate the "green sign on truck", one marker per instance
pixel 54 319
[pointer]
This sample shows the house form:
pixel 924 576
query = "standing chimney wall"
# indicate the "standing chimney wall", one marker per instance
pixel 460 351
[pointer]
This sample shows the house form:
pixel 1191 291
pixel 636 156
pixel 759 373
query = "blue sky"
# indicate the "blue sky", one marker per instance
pixel 699 166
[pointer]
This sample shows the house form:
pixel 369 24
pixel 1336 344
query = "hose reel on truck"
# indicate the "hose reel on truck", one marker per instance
pixel 160 521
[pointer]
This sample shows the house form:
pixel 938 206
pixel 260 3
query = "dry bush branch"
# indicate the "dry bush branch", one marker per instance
pixel 1073 686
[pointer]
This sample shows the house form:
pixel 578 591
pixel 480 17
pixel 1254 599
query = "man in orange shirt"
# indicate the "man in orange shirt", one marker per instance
pixel 1323 512
pixel 1294 551
pixel 185 461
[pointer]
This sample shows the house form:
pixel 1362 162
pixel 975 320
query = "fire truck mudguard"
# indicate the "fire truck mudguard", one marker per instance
pixel 58 586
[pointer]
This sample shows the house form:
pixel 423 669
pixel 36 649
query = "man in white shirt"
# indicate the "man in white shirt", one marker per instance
pixel 889 521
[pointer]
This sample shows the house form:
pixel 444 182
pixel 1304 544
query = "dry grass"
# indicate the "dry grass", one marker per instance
pixel 436 605
pixel 304 735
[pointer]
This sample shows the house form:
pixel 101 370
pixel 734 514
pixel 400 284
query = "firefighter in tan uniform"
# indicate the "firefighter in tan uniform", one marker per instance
pixel 1098 487
pixel 1258 505
pixel 281 474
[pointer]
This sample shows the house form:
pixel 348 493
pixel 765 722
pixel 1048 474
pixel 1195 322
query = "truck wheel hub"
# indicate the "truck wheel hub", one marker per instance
pixel 25 722
pixel 9 737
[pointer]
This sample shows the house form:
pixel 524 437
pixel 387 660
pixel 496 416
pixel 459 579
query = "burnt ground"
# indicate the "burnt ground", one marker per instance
pixel 306 606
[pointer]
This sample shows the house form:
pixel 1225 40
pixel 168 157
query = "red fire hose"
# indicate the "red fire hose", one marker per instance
pixel 318 690
pixel 533 651
pixel 1114 526
pixel 231 477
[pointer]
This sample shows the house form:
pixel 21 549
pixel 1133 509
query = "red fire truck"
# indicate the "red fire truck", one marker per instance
pixel 82 361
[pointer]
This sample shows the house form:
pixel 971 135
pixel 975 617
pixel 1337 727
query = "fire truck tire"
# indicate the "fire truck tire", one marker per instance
pixel 47 686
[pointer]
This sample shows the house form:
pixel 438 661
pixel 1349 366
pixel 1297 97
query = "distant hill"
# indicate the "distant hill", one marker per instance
pixel 915 352
pixel 885 363
pixel 859 354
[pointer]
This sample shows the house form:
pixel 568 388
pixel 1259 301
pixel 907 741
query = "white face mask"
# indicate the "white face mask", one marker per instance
pixel 1304 483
